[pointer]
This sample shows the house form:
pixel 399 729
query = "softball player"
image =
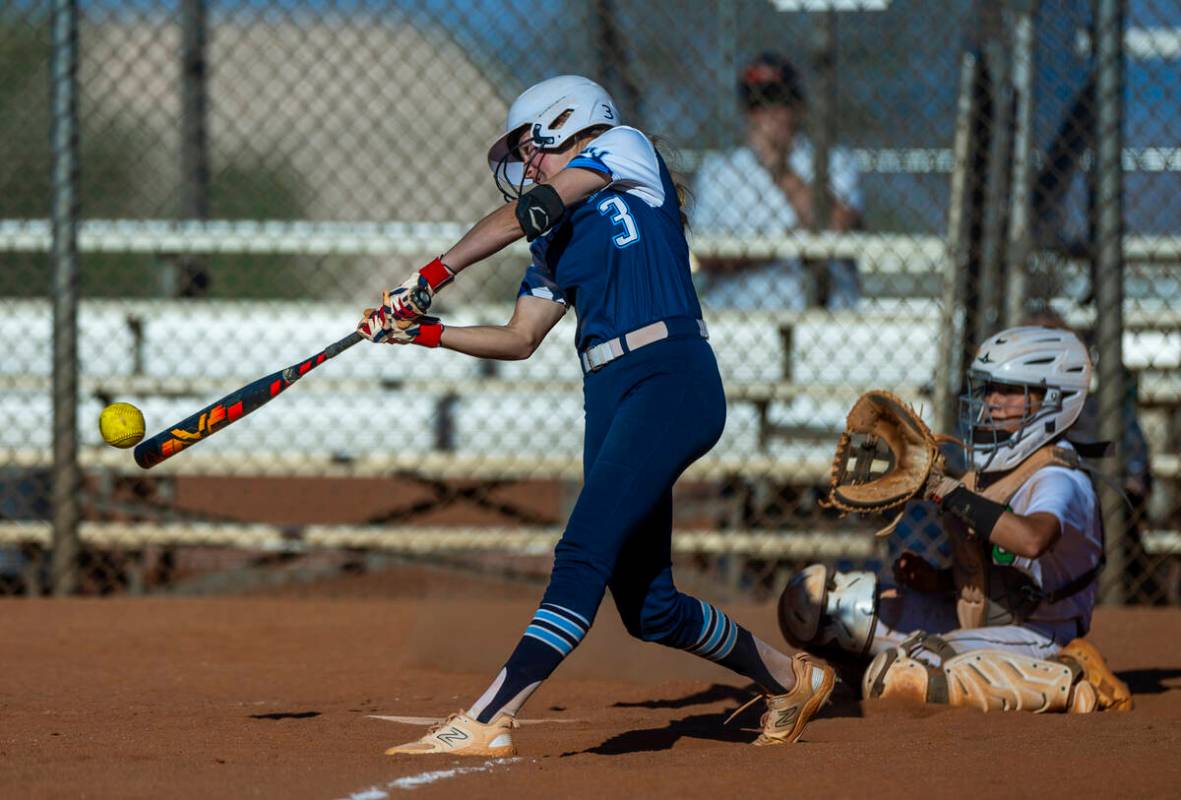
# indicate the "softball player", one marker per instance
pixel 1002 629
pixel 597 202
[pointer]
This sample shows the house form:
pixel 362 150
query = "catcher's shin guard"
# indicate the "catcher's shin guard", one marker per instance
pixel 1112 693
pixel 460 735
pixel 828 612
pixel 989 680
pixel 992 680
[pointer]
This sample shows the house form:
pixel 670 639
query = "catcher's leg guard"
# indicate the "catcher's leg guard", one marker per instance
pixel 894 675
pixel 1112 693
pixel 990 680
pixel 821 610
pixel 993 680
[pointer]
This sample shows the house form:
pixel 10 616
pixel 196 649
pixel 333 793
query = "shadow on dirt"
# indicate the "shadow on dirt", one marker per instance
pixel 287 715
pixel 713 694
pixel 845 701
pixel 648 740
pixel 742 729
pixel 1150 681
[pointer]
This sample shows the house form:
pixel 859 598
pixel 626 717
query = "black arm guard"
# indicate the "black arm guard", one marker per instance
pixel 538 210
pixel 976 510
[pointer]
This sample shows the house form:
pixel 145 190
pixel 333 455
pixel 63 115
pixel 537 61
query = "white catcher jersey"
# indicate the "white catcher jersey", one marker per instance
pixel 1069 496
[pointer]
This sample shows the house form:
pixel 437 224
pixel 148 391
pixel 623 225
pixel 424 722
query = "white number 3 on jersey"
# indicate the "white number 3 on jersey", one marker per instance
pixel 621 216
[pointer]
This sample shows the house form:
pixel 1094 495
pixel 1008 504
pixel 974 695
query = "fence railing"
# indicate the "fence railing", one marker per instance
pixel 202 173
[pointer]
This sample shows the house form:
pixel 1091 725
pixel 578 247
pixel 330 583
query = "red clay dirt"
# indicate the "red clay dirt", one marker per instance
pixel 271 696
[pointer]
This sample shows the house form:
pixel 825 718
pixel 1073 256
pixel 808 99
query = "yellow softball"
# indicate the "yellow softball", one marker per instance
pixel 121 424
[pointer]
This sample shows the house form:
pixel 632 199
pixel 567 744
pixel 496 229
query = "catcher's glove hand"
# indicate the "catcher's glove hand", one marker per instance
pixel 886 457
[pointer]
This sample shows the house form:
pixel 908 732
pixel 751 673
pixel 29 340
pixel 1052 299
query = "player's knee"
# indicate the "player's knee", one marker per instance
pixel 654 619
pixel 630 615
pixel 660 625
pixel 574 561
pixel 895 675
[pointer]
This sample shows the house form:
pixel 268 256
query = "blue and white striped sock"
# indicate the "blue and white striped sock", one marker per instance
pixel 723 640
pixel 718 634
pixel 552 634
pixel 560 628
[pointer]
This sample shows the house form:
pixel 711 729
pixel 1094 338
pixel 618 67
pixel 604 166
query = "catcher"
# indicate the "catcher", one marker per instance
pixel 1002 628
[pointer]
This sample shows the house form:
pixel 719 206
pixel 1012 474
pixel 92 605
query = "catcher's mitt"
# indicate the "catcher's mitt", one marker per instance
pixel 886 457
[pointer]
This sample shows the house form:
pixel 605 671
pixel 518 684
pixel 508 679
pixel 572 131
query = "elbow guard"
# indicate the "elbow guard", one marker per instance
pixel 538 210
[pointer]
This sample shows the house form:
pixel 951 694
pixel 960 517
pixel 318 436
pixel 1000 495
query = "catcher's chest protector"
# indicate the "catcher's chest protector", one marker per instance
pixel 978 604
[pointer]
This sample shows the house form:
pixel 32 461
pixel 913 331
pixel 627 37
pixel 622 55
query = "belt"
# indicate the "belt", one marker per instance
pixel 599 356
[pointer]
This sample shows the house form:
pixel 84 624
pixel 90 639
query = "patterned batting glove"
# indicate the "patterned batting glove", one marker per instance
pixel 424 331
pixel 374 325
pixel 413 298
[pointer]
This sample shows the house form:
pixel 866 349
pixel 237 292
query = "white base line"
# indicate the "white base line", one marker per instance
pixel 434 720
pixel 425 778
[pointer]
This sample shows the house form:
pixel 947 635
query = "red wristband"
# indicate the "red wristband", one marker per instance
pixel 436 274
pixel 429 334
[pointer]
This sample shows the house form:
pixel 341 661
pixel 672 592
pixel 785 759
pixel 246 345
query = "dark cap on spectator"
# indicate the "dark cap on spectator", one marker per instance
pixel 770 80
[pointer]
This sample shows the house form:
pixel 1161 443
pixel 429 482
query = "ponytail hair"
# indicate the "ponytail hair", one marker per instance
pixel 672 160
pixel 670 154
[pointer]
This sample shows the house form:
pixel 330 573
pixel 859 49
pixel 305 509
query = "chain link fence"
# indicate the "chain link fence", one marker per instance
pixel 250 174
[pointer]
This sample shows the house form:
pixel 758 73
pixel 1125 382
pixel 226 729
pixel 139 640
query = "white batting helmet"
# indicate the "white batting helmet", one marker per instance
pixel 1050 360
pixel 551 112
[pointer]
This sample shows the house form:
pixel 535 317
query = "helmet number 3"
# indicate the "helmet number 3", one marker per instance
pixel 621 216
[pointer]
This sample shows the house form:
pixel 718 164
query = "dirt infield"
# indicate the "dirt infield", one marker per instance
pixel 276 697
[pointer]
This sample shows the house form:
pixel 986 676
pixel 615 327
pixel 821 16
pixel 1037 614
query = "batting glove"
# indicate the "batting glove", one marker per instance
pixel 424 331
pixel 412 299
pixel 374 325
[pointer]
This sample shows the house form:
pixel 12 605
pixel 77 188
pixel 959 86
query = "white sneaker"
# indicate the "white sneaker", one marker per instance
pixel 460 735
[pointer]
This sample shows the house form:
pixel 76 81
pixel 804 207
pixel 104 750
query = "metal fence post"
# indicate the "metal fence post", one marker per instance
pixel 998 65
pixel 1020 233
pixel 190 278
pixel 726 64
pixel 822 127
pixel 954 330
pixel 64 144
pixel 1109 289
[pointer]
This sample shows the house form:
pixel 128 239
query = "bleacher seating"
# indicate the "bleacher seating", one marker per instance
pixel 790 379
pixel 795 373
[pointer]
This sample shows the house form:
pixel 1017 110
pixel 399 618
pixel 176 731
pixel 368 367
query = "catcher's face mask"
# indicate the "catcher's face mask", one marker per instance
pixel 996 415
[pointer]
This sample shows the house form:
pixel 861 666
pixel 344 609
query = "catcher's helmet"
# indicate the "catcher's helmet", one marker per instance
pixel 1050 360
pixel 550 112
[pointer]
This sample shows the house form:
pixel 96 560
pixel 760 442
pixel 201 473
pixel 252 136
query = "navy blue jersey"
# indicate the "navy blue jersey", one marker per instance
pixel 619 257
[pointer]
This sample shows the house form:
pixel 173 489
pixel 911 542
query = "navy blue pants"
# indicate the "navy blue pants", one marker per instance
pixel 649 415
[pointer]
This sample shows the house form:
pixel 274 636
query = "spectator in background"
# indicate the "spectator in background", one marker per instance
pixel 765 188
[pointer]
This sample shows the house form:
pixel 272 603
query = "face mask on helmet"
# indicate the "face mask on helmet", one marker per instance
pixel 1041 376
pixel 524 147
pixel 510 169
pixel 997 418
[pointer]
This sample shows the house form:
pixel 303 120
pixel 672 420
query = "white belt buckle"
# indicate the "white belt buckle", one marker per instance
pixel 603 354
